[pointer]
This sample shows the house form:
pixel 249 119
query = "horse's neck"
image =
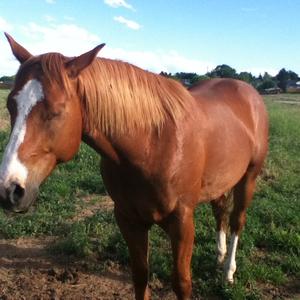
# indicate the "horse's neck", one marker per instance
pixel 135 148
pixel 134 143
pixel 101 144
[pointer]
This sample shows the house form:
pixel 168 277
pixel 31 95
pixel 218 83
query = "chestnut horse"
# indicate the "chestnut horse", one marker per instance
pixel 164 149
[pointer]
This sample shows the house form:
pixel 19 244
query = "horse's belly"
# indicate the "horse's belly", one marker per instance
pixel 223 170
pixel 216 184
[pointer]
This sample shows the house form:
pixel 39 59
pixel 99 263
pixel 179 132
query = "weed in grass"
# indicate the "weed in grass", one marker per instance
pixel 76 243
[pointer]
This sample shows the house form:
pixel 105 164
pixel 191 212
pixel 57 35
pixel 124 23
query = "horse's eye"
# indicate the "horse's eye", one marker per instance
pixel 53 110
pixel 53 115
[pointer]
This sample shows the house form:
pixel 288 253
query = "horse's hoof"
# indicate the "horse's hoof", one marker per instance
pixel 230 280
pixel 229 270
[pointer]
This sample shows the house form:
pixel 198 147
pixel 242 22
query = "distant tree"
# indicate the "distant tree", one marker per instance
pixel 257 81
pixel 293 75
pixel 165 74
pixel 186 76
pixel 260 82
pixel 223 71
pixel 198 79
pixel 267 84
pixel 202 77
pixel 195 79
pixel 247 77
pixel 187 79
pixel 267 77
pixel 7 78
pixel 283 76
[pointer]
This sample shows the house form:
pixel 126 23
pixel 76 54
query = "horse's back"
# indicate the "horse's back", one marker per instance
pixel 227 98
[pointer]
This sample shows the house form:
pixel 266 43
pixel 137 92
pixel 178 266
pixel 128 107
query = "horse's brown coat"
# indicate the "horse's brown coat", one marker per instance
pixel 164 149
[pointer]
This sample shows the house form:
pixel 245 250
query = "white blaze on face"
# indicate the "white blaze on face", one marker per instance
pixel 12 169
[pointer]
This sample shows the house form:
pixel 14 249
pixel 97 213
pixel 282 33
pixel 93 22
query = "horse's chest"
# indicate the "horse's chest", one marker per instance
pixel 138 197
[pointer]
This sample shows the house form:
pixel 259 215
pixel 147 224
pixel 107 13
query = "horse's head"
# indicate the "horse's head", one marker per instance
pixel 46 122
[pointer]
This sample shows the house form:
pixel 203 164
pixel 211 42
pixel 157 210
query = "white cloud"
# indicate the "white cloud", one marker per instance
pixel 49 18
pixel 50 1
pixel 70 40
pixel 4 25
pixel 69 18
pixel 8 65
pixel 176 62
pixel 129 23
pixel 157 61
pixel 119 3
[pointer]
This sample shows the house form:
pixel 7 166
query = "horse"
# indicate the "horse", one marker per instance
pixel 164 149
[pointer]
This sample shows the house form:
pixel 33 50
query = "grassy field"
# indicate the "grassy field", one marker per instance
pixel 268 258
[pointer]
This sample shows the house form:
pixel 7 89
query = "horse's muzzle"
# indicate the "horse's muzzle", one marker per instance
pixel 16 198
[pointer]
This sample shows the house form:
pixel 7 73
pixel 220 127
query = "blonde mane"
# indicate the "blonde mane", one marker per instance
pixel 119 97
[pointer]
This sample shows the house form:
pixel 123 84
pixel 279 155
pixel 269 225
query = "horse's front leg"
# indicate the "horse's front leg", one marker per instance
pixel 180 227
pixel 136 237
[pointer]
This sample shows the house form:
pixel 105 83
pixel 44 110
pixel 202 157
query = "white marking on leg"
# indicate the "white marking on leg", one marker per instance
pixel 221 246
pixel 230 266
pixel 12 169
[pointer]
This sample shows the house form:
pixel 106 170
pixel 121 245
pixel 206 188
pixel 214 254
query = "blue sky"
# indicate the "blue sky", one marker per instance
pixel 159 35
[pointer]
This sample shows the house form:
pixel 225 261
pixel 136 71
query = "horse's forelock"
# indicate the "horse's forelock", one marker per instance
pixel 51 67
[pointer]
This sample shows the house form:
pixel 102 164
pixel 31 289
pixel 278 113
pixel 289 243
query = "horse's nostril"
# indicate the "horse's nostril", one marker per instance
pixel 19 191
pixel 16 192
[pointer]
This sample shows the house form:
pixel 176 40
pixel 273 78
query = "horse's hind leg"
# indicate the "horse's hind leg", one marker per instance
pixel 136 237
pixel 243 194
pixel 220 209
pixel 180 227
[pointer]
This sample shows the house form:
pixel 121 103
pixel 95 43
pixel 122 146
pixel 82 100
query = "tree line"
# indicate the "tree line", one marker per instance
pixel 7 79
pixel 261 82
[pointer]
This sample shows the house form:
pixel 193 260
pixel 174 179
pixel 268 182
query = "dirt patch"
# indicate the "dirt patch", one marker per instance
pixel 91 204
pixel 290 291
pixel 28 271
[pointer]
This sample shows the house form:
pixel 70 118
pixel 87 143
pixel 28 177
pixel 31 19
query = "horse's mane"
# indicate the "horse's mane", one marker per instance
pixel 119 97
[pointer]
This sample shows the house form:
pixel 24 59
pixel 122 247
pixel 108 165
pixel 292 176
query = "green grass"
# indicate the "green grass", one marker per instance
pixel 269 248
pixel 3 110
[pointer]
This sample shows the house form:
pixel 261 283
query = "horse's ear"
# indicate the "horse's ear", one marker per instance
pixel 19 52
pixel 75 65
